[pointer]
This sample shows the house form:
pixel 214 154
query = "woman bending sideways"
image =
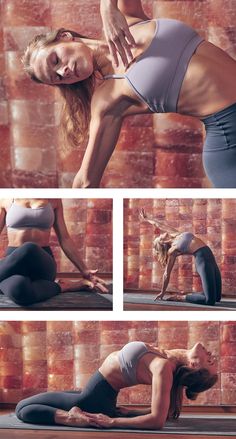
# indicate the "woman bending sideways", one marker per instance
pixel 168 372
pixel 159 66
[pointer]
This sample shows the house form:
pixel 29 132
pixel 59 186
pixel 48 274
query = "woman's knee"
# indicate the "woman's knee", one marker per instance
pixel 19 409
pixel 19 290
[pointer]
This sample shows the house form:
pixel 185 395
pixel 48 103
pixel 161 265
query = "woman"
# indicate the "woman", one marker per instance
pixel 28 270
pixel 192 77
pixel 169 245
pixel 167 371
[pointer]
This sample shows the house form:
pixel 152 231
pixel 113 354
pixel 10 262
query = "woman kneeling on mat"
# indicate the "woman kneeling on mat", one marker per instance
pixel 171 69
pixel 28 270
pixel 169 372
pixel 169 245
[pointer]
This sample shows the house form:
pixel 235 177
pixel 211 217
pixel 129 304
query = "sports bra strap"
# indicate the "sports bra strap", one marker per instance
pixel 114 76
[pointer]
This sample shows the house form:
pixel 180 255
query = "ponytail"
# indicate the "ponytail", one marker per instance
pixel 194 382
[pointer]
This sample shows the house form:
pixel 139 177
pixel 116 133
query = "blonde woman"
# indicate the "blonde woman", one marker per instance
pixel 172 243
pixel 28 270
pixel 169 372
pixel 170 69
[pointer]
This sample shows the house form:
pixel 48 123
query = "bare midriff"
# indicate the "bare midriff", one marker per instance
pixel 111 371
pixel 195 244
pixel 17 237
pixel 209 84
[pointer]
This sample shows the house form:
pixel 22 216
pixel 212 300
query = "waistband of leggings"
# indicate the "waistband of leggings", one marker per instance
pixel 47 249
pixel 211 117
pixel 205 249
pixel 100 376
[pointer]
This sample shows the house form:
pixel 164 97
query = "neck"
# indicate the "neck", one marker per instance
pixel 178 355
pixel 101 55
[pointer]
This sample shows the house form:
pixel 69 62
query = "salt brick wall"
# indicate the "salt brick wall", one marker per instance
pixel 159 151
pixel 213 220
pixel 41 356
pixel 89 222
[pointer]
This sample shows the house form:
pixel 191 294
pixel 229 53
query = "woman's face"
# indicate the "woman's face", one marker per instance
pixel 64 62
pixel 200 357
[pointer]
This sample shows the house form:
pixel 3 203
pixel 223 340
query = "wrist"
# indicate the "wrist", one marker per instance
pixel 114 422
pixel 105 5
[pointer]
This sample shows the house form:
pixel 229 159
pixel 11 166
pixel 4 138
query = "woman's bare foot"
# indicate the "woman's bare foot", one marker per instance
pixel 176 298
pixel 70 286
pixel 77 418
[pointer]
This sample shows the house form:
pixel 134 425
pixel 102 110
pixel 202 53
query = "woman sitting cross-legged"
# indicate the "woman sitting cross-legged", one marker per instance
pixel 28 270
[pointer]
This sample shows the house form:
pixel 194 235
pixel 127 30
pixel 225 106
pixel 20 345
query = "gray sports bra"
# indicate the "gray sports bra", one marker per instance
pixel 157 74
pixel 20 217
pixel 129 356
pixel 182 242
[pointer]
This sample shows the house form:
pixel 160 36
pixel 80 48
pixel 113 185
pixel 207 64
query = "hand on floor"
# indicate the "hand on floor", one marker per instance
pixel 99 420
pixel 159 296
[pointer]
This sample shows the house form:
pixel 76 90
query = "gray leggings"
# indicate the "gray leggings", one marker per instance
pixel 97 397
pixel 209 272
pixel 219 152
pixel 27 274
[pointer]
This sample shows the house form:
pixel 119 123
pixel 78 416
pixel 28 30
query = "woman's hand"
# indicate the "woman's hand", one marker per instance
pixel 159 296
pixel 99 420
pixel 117 33
pixel 143 215
pixel 97 282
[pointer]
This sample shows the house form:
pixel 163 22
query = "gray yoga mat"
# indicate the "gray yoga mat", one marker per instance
pixel 186 424
pixel 75 300
pixel 137 298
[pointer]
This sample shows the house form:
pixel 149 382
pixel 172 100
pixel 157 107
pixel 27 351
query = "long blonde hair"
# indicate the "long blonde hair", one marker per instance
pixel 76 97
pixel 161 249
pixel 193 381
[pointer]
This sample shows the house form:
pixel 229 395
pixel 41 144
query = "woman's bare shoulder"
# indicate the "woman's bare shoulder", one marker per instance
pixel 163 367
pixel 5 203
pixel 110 97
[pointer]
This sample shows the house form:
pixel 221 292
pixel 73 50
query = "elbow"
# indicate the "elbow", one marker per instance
pixel 65 243
pixel 165 277
pixel 156 425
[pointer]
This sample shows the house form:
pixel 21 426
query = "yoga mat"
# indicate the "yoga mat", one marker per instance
pixel 75 300
pixel 186 424
pixel 138 298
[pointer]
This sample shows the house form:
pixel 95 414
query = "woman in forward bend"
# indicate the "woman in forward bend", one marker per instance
pixel 169 372
pixel 159 66
pixel 169 245
pixel 28 270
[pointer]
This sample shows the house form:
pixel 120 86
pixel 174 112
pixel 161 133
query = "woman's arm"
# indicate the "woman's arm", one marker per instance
pixel 104 131
pixel 69 248
pixel 126 412
pixel 161 387
pixel 132 9
pixel 167 273
pixel 162 226
pixel 2 215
